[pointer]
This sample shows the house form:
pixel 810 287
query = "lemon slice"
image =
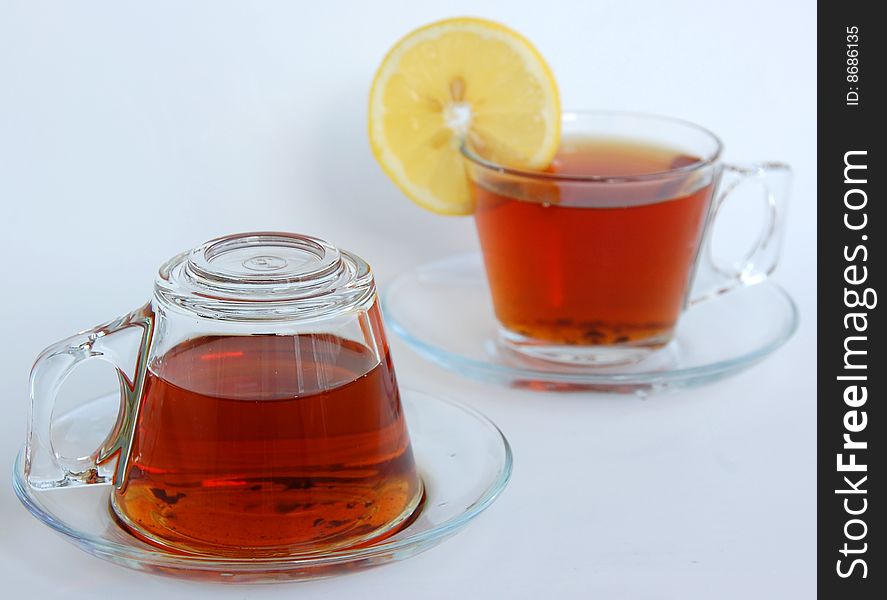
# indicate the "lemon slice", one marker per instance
pixel 454 79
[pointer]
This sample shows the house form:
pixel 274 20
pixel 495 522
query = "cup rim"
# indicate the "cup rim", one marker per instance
pixel 569 115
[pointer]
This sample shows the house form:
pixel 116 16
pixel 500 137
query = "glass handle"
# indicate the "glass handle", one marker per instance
pixel 45 467
pixel 713 279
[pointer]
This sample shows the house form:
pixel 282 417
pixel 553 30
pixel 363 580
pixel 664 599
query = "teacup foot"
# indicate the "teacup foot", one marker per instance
pixel 586 356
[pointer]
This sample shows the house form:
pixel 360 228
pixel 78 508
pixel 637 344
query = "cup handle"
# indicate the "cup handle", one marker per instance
pixel 713 279
pixel 45 467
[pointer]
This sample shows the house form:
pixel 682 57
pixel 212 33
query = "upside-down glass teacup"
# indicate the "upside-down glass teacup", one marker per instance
pixel 593 260
pixel 259 414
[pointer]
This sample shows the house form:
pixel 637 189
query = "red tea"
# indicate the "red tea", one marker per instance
pixel 588 263
pixel 252 444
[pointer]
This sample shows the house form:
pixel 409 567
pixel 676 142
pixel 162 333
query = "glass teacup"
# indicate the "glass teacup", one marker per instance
pixel 259 415
pixel 592 261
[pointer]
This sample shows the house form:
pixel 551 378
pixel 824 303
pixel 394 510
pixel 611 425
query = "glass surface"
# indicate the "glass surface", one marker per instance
pixel 259 410
pixel 463 458
pixel 443 310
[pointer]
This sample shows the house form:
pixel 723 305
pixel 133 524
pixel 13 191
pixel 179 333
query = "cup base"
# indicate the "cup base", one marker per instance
pixel 585 356
pixel 196 547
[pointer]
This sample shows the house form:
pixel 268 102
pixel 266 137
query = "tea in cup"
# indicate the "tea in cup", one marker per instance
pixel 593 260
pixel 262 416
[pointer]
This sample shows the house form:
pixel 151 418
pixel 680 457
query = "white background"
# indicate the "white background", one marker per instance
pixel 130 131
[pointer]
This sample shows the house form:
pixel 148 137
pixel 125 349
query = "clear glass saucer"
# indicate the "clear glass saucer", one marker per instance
pixel 463 458
pixel 443 310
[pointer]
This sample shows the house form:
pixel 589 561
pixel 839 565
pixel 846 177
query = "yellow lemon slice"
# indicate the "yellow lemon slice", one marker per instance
pixel 457 79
